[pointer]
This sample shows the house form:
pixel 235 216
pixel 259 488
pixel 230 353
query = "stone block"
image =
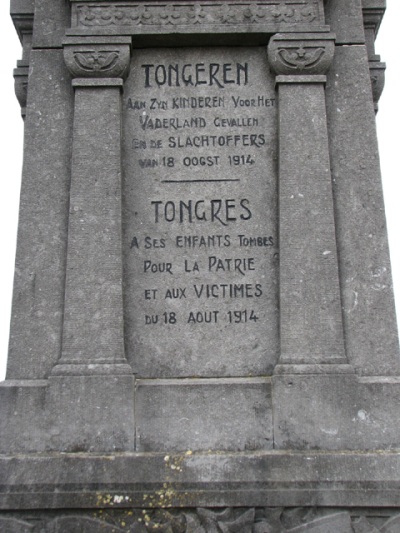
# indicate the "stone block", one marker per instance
pixel 51 19
pixel 194 414
pixel 345 20
pixel 22 6
pixel 22 415
pixel 335 412
pixel 99 416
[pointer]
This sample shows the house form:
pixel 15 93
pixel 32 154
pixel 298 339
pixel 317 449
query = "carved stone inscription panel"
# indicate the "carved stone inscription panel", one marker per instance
pixel 200 213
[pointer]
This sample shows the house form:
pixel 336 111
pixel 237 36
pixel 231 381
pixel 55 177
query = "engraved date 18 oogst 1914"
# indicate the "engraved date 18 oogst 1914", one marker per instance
pixel 197 161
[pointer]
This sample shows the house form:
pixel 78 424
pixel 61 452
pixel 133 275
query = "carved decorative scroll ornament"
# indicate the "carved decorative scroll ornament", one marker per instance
pixel 199 13
pixel 268 520
pixel 303 54
pixel 100 57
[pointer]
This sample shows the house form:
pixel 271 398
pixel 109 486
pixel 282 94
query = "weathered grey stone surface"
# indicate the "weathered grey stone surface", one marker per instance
pixel 13 525
pixel 22 424
pixel 337 522
pixel 200 520
pixel 345 19
pixel 203 414
pixel 203 336
pixel 366 287
pixel 37 312
pixel 100 416
pixel 51 19
pixel 203 23
pixel 363 480
pixel 93 320
pixel 200 214
pixel 310 312
pixel 335 412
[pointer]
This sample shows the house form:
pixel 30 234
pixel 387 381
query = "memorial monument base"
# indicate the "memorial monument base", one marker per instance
pixel 258 492
pixel 315 479
pixel 290 411
pixel 203 334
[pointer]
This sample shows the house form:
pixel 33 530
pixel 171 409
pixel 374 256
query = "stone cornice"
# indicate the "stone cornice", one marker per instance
pixel 22 14
pixel 373 12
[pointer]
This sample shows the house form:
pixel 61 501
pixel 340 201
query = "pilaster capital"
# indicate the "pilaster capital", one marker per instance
pixel 21 84
pixel 301 53
pixel 377 73
pixel 97 57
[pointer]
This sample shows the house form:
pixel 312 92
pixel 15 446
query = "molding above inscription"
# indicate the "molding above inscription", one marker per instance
pixel 195 14
pixel 302 54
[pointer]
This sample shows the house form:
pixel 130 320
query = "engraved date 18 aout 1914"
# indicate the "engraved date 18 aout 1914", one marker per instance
pixel 243 316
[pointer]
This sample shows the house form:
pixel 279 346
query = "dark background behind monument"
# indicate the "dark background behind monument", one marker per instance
pixel 11 124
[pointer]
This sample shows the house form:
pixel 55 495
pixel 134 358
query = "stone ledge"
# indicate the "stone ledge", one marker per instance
pixel 217 35
pixel 273 478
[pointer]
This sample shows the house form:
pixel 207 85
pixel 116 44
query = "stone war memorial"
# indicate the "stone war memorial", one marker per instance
pixel 203 334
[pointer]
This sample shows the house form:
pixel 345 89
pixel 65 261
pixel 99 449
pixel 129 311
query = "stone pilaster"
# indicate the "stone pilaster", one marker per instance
pixel 93 359
pixel 311 328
